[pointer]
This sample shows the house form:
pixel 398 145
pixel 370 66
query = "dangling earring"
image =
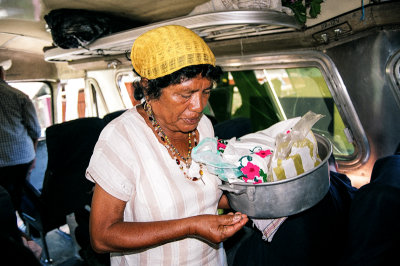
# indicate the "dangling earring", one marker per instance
pixel 146 105
pixel 148 110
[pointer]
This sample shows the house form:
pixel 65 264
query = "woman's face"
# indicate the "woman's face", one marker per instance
pixel 180 106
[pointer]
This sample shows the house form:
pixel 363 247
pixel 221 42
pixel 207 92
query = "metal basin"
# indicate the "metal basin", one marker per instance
pixel 285 197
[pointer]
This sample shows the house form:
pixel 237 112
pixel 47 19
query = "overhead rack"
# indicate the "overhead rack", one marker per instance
pixel 214 26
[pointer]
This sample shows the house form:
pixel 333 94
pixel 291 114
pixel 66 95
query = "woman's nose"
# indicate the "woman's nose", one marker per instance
pixel 198 102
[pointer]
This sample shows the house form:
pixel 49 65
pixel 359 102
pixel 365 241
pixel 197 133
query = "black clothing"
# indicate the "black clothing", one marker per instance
pixel 12 249
pixel 312 237
pixel 373 234
pixel 12 178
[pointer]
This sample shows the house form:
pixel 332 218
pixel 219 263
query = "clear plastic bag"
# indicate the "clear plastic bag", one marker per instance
pixel 284 141
pixel 296 151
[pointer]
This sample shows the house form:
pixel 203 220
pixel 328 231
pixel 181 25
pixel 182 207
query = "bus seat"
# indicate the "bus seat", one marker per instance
pixel 235 127
pixel 110 116
pixel 39 217
pixel 70 146
pixel 65 188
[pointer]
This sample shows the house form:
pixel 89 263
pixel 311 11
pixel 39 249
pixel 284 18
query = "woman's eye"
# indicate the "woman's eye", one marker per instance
pixel 207 92
pixel 186 96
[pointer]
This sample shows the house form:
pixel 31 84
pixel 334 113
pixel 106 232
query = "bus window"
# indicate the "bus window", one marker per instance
pixel 294 91
pixel 69 100
pixel 40 94
pixel 77 98
pixel 267 96
pixel 262 90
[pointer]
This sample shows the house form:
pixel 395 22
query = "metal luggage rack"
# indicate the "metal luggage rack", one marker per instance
pixel 211 26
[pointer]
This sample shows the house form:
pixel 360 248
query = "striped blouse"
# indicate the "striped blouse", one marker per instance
pixel 132 165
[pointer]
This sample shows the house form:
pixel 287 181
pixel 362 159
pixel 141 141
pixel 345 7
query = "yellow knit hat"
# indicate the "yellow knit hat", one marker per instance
pixel 164 50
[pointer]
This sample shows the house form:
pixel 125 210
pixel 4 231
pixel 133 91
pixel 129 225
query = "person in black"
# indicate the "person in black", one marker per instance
pixel 313 237
pixel 12 248
pixel 373 233
pixel 348 226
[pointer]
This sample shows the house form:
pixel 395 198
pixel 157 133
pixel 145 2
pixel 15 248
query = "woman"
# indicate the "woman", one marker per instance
pixel 153 205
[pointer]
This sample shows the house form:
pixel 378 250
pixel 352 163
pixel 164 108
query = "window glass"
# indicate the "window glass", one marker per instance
pixel 267 96
pixel 40 94
pixel 71 100
pixel 21 9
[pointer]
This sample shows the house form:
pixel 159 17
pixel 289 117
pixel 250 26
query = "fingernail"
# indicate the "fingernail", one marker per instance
pixel 237 217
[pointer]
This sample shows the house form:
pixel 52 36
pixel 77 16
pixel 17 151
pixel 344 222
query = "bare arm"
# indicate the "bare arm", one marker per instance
pixel 33 165
pixel 110 233
pixel 35 143
pixel 224 203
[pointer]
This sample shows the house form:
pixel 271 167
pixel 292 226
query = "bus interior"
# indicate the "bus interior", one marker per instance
pixel 338 58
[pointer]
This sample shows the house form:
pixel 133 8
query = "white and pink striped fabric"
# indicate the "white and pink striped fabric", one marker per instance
pixel 129 163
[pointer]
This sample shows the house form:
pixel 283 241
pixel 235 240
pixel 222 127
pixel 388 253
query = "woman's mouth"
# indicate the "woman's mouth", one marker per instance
pixel 192 121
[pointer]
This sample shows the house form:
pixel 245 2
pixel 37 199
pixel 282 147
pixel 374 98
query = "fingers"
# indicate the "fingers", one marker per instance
pixel 233 223
pixel 217 228
pixel 233 218
pixel 237 217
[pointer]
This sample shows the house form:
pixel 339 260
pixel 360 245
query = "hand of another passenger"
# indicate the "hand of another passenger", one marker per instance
pixel 32 166
pixel 218 228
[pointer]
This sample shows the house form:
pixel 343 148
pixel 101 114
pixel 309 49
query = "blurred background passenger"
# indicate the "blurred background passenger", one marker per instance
pixel 19 134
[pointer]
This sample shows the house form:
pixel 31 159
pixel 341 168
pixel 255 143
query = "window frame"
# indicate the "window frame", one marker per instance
pixel 393 73
pixel 92 104
pixel 297 59
pixel 118 75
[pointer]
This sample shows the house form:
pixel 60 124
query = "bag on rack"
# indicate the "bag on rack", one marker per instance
pixel 74 28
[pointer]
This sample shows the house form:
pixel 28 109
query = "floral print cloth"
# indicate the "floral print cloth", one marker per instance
pixel 284 150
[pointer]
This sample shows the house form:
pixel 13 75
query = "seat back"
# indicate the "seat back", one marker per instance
pixel 69 146
pixel 236 127
pixel 111 116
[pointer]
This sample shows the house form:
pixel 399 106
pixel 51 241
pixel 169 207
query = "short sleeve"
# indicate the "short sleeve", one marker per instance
pixel 112 163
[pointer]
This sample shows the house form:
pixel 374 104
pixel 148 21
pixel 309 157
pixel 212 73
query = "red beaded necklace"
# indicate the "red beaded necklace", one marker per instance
pixel 169 146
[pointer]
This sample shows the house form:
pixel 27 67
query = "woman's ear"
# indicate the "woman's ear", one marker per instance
pixel 144 83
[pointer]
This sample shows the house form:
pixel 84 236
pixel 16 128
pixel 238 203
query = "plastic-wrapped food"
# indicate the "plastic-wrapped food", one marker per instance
pixel 296 150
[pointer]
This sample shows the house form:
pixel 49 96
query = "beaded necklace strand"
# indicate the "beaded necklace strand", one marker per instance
pixel 174 151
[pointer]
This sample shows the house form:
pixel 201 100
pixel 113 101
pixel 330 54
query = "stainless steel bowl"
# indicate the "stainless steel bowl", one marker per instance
pixel 285 197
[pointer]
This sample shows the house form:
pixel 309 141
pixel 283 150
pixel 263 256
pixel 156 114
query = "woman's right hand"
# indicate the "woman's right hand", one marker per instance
pixel 217 228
